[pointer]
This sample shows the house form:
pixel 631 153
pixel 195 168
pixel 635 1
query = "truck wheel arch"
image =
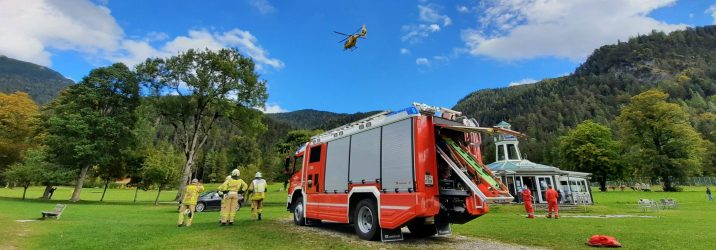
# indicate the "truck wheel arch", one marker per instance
pixel 359 193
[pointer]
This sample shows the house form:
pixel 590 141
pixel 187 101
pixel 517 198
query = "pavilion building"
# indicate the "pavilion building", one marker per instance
pixel 518 173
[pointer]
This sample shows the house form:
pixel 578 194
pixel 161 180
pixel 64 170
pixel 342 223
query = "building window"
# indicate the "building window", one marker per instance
pixel 501 153
pixel 512 152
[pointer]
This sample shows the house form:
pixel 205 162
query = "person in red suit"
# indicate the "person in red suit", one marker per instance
pixel 552 206
pixel 527 199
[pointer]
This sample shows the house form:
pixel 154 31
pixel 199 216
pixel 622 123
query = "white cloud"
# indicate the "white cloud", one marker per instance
pixel 429 14
pixel 463 9
pixel 273 108
pixel 712 10
pixel 422 61
pixel 404 51
pixel 134 51
pixel 31 28
pixel 431 22
pixel 416 33
pixel 523 29
pixel 156 36
pixel 263 6
pixel 522 82
pixel 41 26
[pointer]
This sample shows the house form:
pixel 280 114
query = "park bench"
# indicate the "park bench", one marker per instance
pixel 668 203
pixel 57 212
pixel 647 205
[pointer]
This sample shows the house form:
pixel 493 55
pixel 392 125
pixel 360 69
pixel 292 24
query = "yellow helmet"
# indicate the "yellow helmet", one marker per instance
pixel 235 172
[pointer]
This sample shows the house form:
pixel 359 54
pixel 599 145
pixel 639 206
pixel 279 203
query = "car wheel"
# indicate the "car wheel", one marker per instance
pixel 200 207
pixel 238 207
pixel 365 220
pixel 298 218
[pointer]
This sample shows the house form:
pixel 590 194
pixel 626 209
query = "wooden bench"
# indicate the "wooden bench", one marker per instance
pixel 57 212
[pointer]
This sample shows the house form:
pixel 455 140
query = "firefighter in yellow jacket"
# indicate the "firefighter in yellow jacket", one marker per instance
pixel 258 191
pixel 188 204
pixel 223 198
pixel 231 188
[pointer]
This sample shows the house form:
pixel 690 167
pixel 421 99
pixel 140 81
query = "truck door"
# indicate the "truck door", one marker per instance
pixel 314 179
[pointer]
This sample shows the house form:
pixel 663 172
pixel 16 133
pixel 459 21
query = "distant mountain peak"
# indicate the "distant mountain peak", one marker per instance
pixel 41 83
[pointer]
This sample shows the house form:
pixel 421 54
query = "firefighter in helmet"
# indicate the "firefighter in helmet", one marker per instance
pixel 258 190
pixel 188 205
pixel 231 188
pixel 527 199
pixel 223 198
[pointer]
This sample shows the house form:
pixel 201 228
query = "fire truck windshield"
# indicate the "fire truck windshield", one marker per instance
pixel 297 164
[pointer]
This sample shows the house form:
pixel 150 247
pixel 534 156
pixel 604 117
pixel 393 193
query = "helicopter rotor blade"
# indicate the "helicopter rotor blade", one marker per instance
pixel 341 33
pixel 343 39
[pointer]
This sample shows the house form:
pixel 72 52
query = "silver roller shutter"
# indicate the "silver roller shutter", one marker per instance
pixel 397 159
pixel 365 156
pixel 337 165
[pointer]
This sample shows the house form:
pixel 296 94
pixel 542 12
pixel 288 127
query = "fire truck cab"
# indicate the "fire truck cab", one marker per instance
pixel 418 167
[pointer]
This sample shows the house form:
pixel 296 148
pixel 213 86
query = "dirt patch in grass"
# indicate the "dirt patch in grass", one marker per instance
pixel 346 234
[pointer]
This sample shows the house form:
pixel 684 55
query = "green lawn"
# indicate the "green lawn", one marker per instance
pixel 119 223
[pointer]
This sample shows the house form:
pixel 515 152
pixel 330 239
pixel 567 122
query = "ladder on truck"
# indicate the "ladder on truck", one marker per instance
pixel 462 174
pixel 378 119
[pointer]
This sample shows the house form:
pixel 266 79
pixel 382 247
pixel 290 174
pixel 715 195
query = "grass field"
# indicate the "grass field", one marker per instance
pixel 120 223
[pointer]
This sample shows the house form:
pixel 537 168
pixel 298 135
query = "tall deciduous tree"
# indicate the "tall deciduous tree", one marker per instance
pixel 662 141
pixel 18 117
pixel 207 85
pixel 161 167
pixel 589 148
pixel 90 124
pixel 20 174
pixel 45 172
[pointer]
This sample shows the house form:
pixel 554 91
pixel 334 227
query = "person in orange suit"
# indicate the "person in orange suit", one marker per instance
pixel 552 197
pixel 527 199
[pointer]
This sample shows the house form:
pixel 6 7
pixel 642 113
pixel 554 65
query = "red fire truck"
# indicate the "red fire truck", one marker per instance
pixel 419 167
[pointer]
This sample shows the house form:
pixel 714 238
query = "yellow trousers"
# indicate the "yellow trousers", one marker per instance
pixel 228 210
pixel 182 213
pixel 256 207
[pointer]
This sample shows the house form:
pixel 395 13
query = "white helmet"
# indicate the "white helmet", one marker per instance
pixel 235 172
pixel 258 175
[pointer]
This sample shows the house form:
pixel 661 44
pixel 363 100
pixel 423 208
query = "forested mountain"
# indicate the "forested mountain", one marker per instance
pixel 43 84
pixel 314 119
pixel 682 63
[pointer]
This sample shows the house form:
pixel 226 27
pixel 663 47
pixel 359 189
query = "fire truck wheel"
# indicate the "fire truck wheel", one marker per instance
pixel 365 220
pixel 298 218
pixel 421 230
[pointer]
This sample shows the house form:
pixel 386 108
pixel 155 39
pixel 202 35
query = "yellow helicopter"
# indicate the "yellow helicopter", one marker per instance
pixel 351 40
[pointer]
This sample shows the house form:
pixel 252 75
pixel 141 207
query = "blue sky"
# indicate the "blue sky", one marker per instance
pixel 434 52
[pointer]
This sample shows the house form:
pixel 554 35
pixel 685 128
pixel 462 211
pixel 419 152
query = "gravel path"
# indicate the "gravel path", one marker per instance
pixel 346 234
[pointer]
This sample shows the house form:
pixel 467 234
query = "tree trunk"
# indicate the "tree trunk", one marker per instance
pixel 602 184
pixel 186 174
pixel 136 190
pixel 78 185
pixel 46 194
pixel 24 191
pixel 106 183
pixel 667 184
pixel 156 201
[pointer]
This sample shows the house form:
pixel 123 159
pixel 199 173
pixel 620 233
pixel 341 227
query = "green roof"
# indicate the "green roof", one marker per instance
pixel 503 124
pixel 523 165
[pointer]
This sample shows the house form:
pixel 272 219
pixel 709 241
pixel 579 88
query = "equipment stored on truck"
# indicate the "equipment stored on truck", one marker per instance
pixel 419 167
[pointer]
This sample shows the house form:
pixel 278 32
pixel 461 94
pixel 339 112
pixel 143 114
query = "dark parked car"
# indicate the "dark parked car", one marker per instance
pixel 211 200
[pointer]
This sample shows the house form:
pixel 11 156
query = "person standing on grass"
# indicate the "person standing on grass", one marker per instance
pixel 258 191
pixel 188 205
pixel 527 199
pixel 552 205
pixel 708 193
pixel 231 188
